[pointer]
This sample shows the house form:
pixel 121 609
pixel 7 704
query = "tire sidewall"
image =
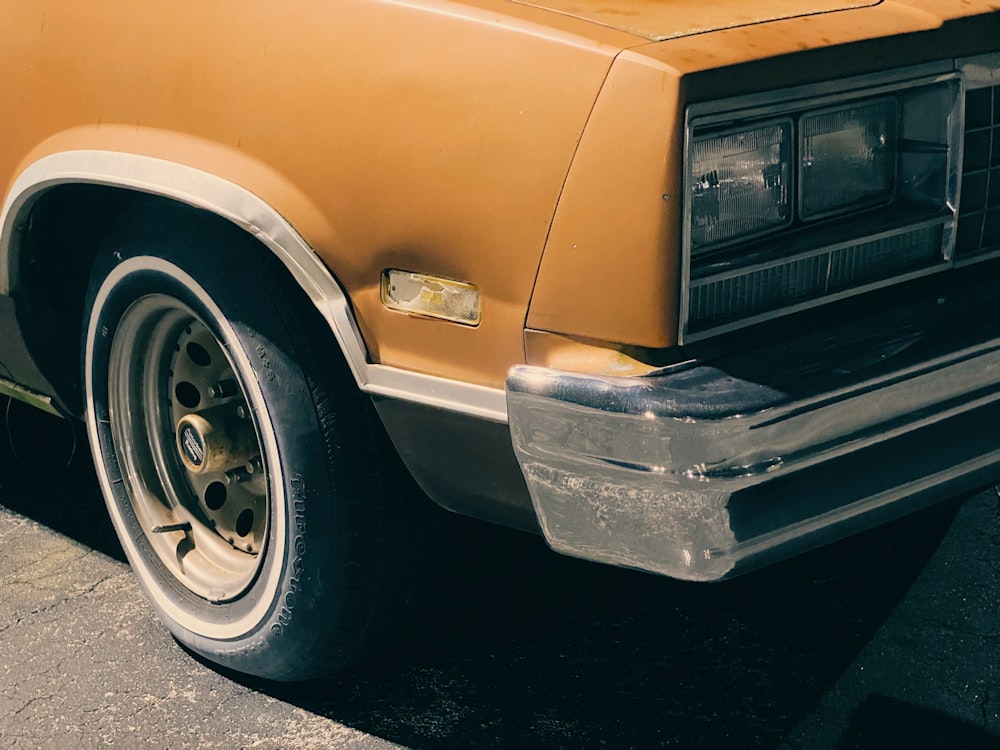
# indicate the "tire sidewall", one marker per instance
pixel 272 622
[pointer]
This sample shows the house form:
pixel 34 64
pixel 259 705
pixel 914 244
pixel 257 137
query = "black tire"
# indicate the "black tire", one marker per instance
pixel 316 576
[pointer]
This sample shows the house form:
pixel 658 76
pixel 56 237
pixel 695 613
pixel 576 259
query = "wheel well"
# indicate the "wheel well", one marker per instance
pixel 65 229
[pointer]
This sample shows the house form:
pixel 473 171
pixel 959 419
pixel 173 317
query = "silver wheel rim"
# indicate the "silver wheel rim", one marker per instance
pixel 189 448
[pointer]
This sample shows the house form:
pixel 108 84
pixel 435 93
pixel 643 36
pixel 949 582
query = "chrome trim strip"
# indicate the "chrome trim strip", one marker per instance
pixel 977 258
pixel 442 393
pixel 980 71
pixel 252 214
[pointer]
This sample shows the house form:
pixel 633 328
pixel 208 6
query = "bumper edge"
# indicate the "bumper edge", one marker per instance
pixel 661 473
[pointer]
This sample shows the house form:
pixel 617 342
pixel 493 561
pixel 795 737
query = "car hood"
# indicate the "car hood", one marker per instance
pixel 668 19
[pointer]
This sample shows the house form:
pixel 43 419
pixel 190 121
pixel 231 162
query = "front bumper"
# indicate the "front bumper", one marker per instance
pixel 706 470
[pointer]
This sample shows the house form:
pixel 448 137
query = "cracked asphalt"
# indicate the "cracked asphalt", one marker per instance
pixel 887 639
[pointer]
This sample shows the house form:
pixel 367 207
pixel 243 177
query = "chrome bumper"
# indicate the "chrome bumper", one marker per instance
pixel 704 472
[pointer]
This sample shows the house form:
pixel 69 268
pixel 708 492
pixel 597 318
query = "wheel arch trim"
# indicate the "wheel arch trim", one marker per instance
pixel 230 201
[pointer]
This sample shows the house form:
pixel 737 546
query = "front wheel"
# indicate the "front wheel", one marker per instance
pixel 243 471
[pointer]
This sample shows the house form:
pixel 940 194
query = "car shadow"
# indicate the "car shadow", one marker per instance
pixel 887 722
pixel 528 648
pixel 47 475
pixel 524 647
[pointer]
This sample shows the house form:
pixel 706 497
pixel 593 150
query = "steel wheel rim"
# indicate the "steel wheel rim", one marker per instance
pixel 172 389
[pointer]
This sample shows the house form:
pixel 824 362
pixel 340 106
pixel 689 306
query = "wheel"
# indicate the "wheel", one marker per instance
pixel 243 471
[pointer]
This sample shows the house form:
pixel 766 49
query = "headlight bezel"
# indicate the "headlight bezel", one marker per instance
pixel 707 119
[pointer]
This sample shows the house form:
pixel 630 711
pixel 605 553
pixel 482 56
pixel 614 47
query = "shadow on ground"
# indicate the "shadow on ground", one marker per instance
pixel 882 722
pixel 533 649
pixel 528 648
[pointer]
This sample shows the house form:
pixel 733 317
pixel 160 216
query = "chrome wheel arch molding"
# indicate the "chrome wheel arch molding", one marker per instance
pixel 251 213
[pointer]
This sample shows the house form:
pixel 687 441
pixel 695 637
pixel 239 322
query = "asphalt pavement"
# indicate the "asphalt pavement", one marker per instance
pixel 889 639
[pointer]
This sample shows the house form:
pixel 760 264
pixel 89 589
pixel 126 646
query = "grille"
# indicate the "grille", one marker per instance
pixel 856 266
pixel 979 210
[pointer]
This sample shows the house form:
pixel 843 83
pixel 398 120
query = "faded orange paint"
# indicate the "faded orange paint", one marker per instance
pixel 473 140
pixel 658 20
pixel 608 270
pixel 389 134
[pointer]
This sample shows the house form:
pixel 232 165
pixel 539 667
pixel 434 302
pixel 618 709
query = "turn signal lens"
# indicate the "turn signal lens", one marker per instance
pixel 432 296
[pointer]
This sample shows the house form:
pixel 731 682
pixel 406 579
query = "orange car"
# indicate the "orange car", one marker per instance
pixel 685 286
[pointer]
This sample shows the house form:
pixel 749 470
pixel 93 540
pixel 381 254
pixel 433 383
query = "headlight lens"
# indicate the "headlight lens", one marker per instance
pixel 848 157
pixel 739 183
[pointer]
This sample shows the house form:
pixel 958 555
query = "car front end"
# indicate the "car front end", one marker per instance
pixel 801 294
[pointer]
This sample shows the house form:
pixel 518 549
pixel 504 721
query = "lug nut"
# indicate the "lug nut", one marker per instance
pixel 223 389
pixel 235 476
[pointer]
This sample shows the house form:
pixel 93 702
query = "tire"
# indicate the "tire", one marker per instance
pixel 244 472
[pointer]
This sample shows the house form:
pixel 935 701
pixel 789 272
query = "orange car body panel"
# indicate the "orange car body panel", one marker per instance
pixel 511 145
pixel 388 134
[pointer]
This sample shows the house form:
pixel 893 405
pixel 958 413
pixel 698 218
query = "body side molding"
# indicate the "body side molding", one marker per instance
pixel 238 205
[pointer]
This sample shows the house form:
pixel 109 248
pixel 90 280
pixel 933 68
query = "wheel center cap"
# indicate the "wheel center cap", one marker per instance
pixel 215 439
pixel 193 445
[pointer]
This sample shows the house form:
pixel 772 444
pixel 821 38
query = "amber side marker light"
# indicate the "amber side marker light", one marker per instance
pixel 431 296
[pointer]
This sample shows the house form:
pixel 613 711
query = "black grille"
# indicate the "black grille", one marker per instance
pixel 753 292
pixel 979 210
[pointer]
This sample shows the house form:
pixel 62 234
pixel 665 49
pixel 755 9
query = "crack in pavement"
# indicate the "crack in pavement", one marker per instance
pixel 34 564
pixel 67 599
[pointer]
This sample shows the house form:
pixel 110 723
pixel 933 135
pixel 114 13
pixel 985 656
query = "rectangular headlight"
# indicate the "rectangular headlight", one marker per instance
pixel 848 157
pixel 739 183
pixel 804 195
